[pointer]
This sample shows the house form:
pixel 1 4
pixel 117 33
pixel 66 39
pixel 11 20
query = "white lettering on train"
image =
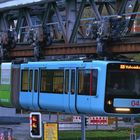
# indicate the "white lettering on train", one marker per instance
pixel 135 103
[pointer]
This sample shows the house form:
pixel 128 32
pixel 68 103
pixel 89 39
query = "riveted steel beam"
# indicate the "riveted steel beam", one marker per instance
pixel 125 46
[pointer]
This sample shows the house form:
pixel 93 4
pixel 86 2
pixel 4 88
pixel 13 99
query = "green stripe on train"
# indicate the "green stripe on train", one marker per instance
pixel 5 95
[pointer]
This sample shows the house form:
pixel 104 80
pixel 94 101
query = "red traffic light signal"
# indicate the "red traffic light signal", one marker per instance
pixel 35 125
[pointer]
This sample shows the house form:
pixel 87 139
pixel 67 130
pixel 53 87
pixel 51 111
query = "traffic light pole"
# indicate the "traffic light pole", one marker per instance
pixel 132 134
pixel 83 130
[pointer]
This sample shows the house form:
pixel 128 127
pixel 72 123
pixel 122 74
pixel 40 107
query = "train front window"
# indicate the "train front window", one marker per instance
pixel 122 87
pixel 123 82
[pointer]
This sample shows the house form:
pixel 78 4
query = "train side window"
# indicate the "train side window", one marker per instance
pixel 30 80
pixel 58 80
pixel 36 81
pixel 24 80
pixel 87 82
pixel 73 81
pixel 94 82
pixel 52 81
pixel 43 80
pixel 66 81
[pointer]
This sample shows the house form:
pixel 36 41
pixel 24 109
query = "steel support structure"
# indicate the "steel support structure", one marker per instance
pixel 63 23
pixel 78 49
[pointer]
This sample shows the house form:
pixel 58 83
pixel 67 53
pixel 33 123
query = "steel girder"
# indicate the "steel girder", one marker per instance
pixel 66 23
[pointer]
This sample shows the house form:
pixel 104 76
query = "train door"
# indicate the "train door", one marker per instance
pixel 66 90
pixel 25 98
pixel 51 90
pixel 28 93
pixel 35 89
pixel 70 90
pixel 30 87
pixel 73 93
pixel 86 89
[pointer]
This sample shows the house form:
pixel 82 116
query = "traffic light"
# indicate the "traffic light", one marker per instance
pixel 35 125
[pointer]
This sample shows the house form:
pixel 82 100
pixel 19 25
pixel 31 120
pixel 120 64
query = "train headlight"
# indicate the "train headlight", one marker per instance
pixel 109 102
pixel 122 109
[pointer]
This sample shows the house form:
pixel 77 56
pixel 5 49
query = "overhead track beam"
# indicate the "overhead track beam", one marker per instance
pixel 126 46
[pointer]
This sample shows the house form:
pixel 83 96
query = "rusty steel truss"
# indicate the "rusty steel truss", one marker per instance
pixel 68 27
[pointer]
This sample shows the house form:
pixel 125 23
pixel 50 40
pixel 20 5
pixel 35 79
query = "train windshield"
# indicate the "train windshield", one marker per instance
pixel 122 88
pixel 123 80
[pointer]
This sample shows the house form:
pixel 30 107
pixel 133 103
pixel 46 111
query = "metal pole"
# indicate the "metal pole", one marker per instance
pixel 83 130
pixel 49 116
pixel 43 123
pixel 132 134
pixel 58 117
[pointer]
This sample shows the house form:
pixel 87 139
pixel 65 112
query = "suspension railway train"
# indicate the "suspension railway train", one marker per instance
pixel 76 87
